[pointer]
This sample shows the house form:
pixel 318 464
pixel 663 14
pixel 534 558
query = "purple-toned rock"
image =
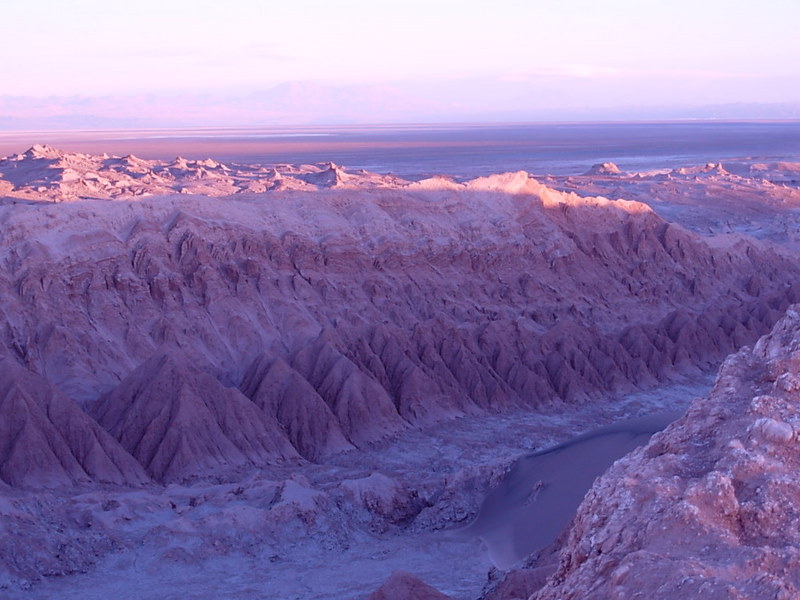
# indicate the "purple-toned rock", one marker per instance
pixel 447 299
pixel 711 506
pixel 283 393
pixel 606 168
pixel 179 422
pixel 362 407
pixel 404 586
pixel 47 440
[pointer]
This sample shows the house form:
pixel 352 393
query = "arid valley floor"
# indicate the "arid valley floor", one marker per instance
pixel 225 380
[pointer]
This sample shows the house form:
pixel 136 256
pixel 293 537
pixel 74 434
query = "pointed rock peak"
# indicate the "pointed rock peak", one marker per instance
pixel 283 393
pixel 180 422
pixel 606 168
pixel 43 151
pixel 47 440
pixel 327 338
pixel 133 161
pixel 176 367
pixel 715 169
pixel 335 175
pixel 208 163
pixel 404 586
pixel 165 360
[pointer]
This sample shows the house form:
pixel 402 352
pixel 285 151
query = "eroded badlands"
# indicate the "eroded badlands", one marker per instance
pixel 213 368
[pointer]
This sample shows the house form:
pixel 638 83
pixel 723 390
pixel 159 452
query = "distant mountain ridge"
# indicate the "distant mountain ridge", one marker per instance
pixel 299 103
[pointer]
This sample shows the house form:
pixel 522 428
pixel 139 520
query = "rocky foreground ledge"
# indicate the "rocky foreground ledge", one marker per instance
pixel 710 508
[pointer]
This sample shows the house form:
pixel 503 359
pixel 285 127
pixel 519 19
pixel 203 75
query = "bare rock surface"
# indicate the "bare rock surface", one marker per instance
pixel 404 586
pixel 47 173
pixel 400 303
pixel 709 508
pixel 291 530
pixel 309 422
pixel 178 422
pixel 48 440
pixel 324 369
pixel 760 199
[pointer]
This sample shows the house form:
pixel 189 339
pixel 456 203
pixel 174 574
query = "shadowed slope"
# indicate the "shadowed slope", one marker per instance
pixel 282 392
pixel 178 422
pixel 362 407
pixel 46 439
pixel 398 303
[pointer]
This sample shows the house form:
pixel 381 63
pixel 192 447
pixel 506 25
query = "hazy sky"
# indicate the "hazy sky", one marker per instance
pixel 545 52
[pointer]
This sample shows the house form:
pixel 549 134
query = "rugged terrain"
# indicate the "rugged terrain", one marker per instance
pixel 709 507
pixel 232 363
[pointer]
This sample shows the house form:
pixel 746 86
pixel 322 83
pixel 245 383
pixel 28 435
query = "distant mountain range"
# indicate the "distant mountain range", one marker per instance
pixel 300 103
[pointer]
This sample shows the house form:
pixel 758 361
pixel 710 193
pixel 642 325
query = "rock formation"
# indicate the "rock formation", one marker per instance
pixel 441 299
pixel 710 506
pixel 283 393
pixel 404 586
pixel 206 359
pixel 47 440
pixel 178 422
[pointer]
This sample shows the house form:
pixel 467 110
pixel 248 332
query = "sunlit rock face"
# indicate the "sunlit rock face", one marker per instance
pixel 709 508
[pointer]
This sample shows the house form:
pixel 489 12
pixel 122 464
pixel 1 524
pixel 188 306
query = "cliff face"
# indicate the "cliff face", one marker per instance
pixel 709 508
pixel 378 304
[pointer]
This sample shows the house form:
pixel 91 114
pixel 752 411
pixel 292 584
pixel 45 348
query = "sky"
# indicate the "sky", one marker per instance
pixel 325 57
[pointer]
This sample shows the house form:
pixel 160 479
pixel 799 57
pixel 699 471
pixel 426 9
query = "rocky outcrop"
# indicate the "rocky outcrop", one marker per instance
pixel 47 173
pixel 179 422
pixel 759 199
pixel 286 395
pixel 710 506
pixel 606 168
pixel 47 440
pixel 404 586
